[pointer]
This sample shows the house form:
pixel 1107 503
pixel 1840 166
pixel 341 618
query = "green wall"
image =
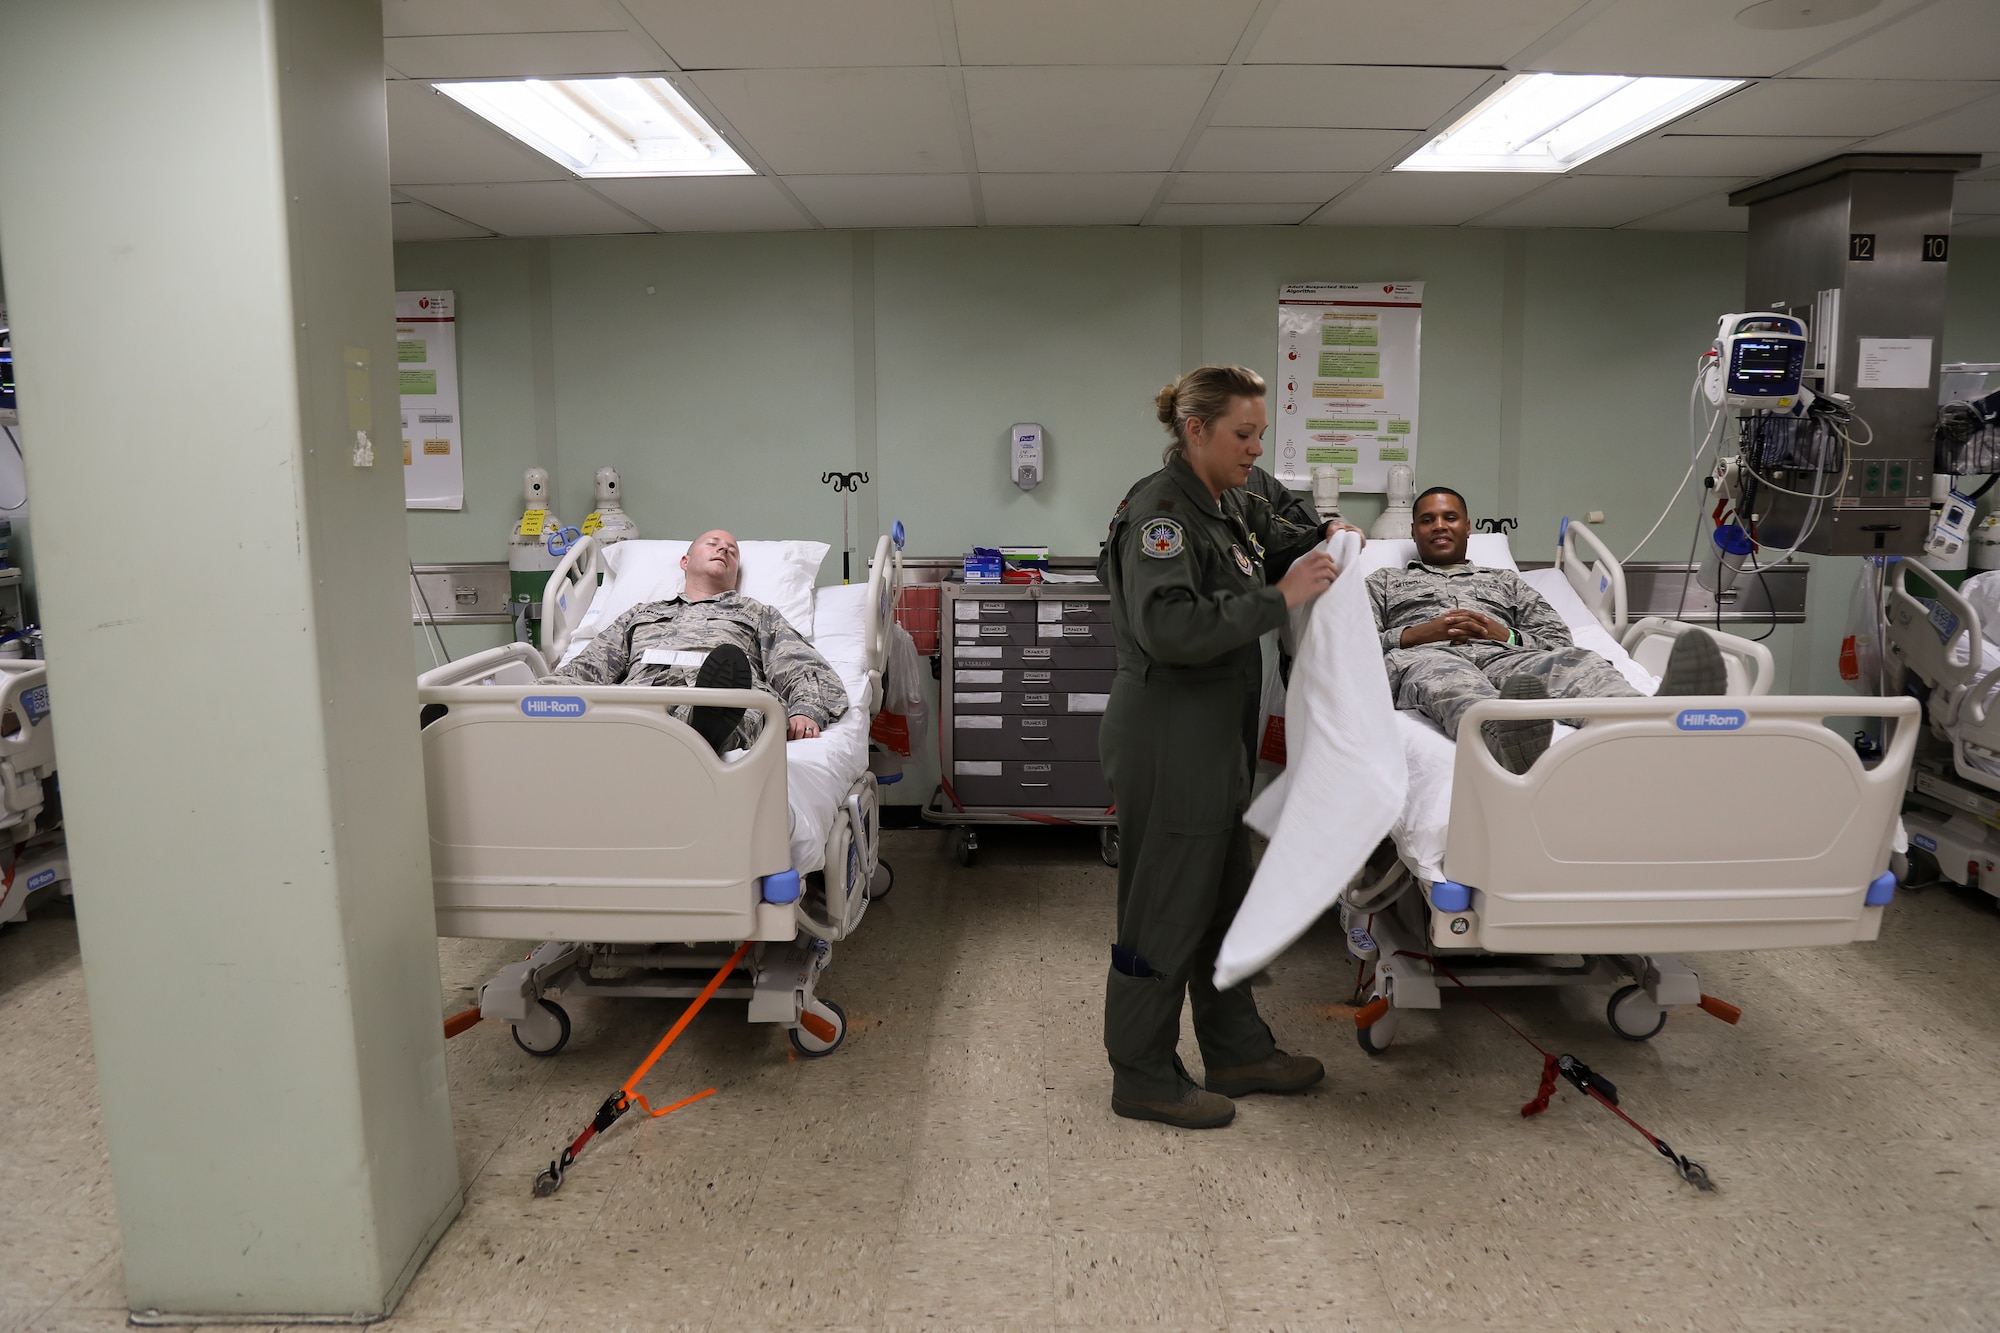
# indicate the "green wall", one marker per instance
pixel 1556 367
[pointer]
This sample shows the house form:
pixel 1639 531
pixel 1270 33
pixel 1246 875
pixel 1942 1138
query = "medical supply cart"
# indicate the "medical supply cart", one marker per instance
pixel 1025 671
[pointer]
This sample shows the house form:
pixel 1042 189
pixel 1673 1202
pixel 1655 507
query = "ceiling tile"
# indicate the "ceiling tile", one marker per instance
pixel 1100 32
pixel 1394 97
pixel 1238 148
pixel 1696 38
pixel 886 201
pixel 1230 215
pixel 1712 155
pixel 792 34
pixel 435 141
pixel 519 56
pixel 548 208
pixel 706 203
pixel 1976 197
pixel 1258 187
pixel 412 221
pixel 1956 39
pixel 1711 212
pixel 819 121
pixel 1852 107
pixel 1970 129
pixel 1405 32
pixel 1055 199
pixel 446 18
pixel 1424 198
pixel 1603 201
pixel 1076 118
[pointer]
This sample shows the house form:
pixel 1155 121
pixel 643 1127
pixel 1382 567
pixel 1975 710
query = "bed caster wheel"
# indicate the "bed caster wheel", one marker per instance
pixel 965 846
pixel 1633 1015
pixel 1375 1038
pixel 830 1019
pixel 545 1032
pixel 885 880
pixel 1107 845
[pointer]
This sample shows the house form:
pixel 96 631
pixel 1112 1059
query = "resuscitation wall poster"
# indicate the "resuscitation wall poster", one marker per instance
pixel 427 371
pixel 1347 381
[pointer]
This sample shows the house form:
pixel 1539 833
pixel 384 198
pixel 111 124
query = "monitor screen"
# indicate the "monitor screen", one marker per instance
pixel 1764 360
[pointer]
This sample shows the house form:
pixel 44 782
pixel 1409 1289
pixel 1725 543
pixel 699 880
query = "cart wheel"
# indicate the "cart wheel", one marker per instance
pixel 1107 845
pixel 965 846
pixel 1375 1038
pixel 1633 1015
pixel 807 1044
pixel 885 880
pixel 545 1032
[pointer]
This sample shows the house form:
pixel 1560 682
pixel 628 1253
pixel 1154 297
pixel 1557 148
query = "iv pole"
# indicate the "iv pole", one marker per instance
pixel 844 483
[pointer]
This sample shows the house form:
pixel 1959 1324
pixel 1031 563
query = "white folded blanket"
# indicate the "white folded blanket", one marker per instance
pixel 1345 781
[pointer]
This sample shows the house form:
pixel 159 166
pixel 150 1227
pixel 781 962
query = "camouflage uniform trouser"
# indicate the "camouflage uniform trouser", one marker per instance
pixel 1443 682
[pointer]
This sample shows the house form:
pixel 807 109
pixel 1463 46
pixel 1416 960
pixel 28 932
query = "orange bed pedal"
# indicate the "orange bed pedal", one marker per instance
pixel 459 1022
pixel 818 1026
pixel 1722 1009
pixel 1368 1014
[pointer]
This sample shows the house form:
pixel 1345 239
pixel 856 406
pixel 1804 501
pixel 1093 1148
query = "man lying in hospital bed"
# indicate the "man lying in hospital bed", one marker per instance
pixel 1454 633
pixel 711 636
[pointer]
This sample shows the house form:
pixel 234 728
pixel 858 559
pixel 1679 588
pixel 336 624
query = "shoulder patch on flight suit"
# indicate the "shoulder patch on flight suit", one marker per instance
pixel 1161 538
pixel 1242 560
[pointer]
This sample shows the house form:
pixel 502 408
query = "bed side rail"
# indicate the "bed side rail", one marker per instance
pixel 1749 663
pixel 24 694
pixel 1595 573
pixel 571 588
pixel 885 585
pixel 509 664
pixel 1930 640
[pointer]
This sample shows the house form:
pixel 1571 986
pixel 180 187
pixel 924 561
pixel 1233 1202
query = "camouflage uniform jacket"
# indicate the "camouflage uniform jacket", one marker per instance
pixel 664 643
pixel 1418 592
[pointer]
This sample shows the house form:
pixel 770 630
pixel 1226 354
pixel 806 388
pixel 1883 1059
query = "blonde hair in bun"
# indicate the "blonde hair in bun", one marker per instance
pixel 1202 395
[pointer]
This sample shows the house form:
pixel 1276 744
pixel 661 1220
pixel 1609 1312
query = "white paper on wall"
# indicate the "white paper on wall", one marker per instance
pixel 1347 381
pixel 427 375
pixel 1895 363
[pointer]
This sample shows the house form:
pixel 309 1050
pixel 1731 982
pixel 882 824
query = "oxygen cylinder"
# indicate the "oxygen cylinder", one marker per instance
pixel 528 560
pixel 1394 522
pixel 608 522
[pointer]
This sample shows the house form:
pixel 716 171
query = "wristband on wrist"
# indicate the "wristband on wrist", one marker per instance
pixel 1510 638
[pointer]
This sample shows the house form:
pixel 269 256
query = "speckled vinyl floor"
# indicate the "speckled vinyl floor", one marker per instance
pixel 956 1164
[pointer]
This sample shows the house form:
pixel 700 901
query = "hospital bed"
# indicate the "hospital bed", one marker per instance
pixel 1936 633
pixel 1709 824
pixel 590 818
pixel 27 772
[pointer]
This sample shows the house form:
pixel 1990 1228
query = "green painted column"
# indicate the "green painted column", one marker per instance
pixel 194 224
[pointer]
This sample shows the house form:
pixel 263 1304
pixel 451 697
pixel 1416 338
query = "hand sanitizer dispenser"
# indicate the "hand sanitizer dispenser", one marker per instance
pixel 1027 455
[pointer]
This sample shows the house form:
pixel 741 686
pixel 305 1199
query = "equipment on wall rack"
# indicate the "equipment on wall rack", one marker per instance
pixel 843 484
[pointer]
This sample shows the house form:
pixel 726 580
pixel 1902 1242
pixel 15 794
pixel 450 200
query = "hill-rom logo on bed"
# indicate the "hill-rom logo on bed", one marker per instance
pixel 41 879
pixel 553 705
pixel 1711 719
pixel 36 702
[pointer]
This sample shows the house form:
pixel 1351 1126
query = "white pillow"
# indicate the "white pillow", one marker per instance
pixel 779 574
pixel 1488 549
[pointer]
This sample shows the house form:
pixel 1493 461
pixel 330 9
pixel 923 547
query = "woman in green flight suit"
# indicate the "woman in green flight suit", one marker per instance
pixel 1198 569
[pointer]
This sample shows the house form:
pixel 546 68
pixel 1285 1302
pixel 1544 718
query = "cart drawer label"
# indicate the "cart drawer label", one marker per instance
pixel 982 653
pixel 977 721
pixel 976 677
pixel 553 705
pixel 975 697
pixel 1711 719
pixel 1038 654
pixel 976 768
pixel 1038 768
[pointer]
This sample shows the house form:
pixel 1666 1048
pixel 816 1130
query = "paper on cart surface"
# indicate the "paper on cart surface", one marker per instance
pixel 1345 781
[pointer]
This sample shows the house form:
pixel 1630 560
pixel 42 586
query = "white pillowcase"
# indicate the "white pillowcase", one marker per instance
pixel 1487 549
pixel 779 574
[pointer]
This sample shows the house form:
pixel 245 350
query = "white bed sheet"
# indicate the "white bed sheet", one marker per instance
pixel 1421 833
pixel 819 771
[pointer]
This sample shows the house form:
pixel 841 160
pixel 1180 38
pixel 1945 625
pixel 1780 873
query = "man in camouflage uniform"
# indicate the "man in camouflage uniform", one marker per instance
pixel 714 637
pixel 1454 633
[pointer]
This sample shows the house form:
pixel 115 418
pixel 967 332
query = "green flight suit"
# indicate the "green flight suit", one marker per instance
pixel 1189 581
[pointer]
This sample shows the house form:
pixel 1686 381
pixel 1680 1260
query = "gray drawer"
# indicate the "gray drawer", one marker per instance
pixel 1033 633
pixel 975 609
pixel 1070 611
pixel 1019 783
pixel 1043 736
pixel 1041 657
pixel 985 681
pixel 1045 610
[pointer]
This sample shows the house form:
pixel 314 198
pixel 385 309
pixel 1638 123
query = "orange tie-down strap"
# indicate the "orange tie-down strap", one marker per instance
pixel 619 1102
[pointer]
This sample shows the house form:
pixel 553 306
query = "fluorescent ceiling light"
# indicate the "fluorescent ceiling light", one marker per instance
pixel 628 126
pixel 1552 122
